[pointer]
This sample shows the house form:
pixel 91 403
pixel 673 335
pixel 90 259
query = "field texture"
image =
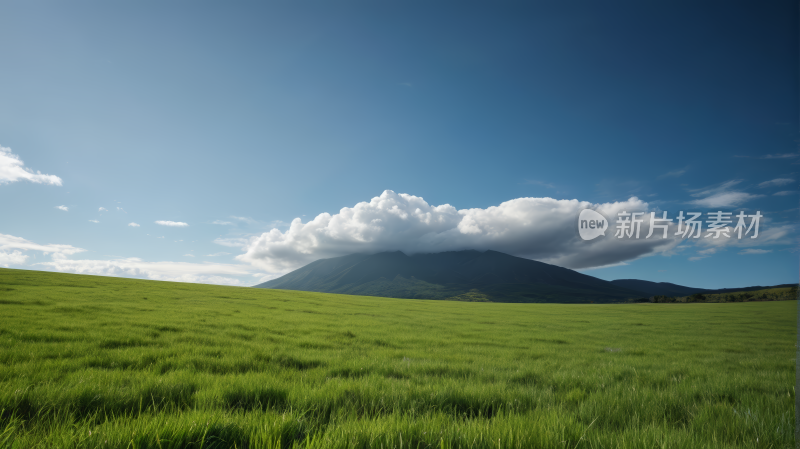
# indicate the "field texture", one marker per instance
pixel 105 362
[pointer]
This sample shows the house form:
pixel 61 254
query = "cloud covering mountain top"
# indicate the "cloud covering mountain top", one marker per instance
pixel 543 229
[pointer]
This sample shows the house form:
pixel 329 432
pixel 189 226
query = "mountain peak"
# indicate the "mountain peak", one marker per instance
pixel 487 274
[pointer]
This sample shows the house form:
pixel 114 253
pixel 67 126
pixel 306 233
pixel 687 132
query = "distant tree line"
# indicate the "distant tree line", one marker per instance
pixel 771 294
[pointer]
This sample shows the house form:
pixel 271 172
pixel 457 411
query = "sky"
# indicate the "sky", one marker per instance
pixel 230 143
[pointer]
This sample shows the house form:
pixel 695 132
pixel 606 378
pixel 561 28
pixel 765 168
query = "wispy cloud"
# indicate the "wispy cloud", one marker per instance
pixel 233 242
pixel 135 225
pixel 247 220
pixel 12 169
pixel 177 224
pixel 776 182
pixel 217 254
pixel 781 156
pixel 673 173
pixel 10 242
pixel 704 253
pixel 721 195
pixel 103 209
pixel 121 209
pixel 94 221
pixel 725 199
pixel 64 208
pixel 755 251
pixel 188 255
pixel 785 192
pixel 204 273
pixel 220 222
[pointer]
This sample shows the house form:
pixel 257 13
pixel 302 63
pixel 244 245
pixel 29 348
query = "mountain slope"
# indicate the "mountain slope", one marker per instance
pixel 657 288
pixel 465 275
pixel 667 289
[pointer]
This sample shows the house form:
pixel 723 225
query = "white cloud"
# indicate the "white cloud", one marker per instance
pixel 543 229
pixel 233 242
pixel 64 208
pixel 94 221
pixel 217 254
pixel 784 193
pixel 135 225
pixel 755 251
pixel 704 253
pixel 244 219
pixel 121 209
pixel 12 169
pixel 725 199
pixel 12 258
pixel 10 242
pixel 103 209
pixel 722 196
pixel 774 234
pixel 178 224
pixel 220 222
pixel 188 255
pixel 204 273
pixel 776 182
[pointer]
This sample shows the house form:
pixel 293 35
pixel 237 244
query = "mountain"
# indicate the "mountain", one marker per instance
pixel 461 275
pixel 666 289
pixel 657 288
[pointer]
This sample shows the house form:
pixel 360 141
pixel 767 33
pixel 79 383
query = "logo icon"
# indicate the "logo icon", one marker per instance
pixel 591 224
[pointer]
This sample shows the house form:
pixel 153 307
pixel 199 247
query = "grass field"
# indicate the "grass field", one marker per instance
pixel 105 362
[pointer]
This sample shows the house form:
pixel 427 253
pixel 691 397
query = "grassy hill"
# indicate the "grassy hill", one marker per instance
pixel 99 362
pixel 455 275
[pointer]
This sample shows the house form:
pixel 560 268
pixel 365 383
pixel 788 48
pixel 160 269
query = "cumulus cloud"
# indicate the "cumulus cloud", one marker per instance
pixel 64 208
pixel 203 273
pixel 542 229
pixel 135 225
pixel 178 224
pixel 12 258
pixel 10 242
pixel 755 251
pixel 12 169
pixel 776 182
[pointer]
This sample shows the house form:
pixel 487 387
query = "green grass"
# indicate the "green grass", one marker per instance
pixel 105 362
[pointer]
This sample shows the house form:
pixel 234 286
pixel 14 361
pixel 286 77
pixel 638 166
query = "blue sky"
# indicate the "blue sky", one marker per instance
pixel 257 114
